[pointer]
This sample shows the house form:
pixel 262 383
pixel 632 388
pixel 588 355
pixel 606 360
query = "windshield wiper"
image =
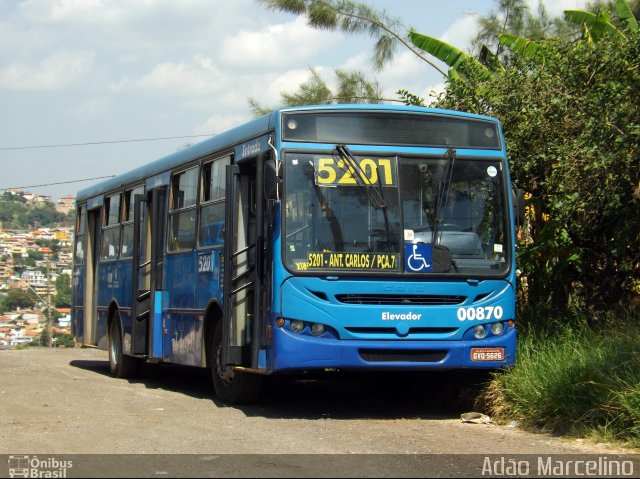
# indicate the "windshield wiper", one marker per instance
pixel 348 161
pixel 443 195
pixel 375 194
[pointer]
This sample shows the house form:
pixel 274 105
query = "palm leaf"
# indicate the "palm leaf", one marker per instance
pixel 626 15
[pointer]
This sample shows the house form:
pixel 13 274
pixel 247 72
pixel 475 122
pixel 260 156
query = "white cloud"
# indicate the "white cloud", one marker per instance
pixel 556 7
pixel 461 32
pixel 360 62
pixel 288 81
pixel 408 72
pixel 57 71
pixel 220 123
pixel 198 76
pixel 84 9
pixel 432 92
pixel 92 109
pixel 276 45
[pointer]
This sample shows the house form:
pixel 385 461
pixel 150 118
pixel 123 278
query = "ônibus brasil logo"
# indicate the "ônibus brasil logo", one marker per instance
pixel 26 466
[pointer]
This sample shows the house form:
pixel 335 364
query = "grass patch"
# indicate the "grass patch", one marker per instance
pixel 578 381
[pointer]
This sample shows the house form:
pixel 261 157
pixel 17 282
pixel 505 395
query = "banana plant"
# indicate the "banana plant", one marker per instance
pixel 450 55
pixel 524 46
pixel 598 24
pixel 626 16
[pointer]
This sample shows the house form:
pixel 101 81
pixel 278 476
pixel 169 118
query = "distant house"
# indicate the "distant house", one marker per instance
pixel 18 283
pixel 36 198
pixel 35 278
pixel 64 322
pixel 42 234
pixel 65 204
pixel 33 317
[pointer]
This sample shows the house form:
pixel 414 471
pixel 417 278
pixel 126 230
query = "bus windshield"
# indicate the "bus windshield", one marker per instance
pixel 394 214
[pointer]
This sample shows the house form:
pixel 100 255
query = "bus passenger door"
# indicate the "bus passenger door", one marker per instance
pixel 243 315
pixel 148 265
pixel 94 222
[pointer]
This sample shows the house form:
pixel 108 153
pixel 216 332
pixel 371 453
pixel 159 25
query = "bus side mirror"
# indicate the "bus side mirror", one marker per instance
pixel 272 180
pixel 518 205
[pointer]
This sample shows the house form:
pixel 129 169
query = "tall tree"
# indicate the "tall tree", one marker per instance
pixel 574 143
pixel 352 87
pixel 355 17
pixel 514 17
pixel 63 291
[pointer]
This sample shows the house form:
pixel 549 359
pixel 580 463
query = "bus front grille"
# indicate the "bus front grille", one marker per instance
pixel 375 330
pixel 415 356
pixel 396 299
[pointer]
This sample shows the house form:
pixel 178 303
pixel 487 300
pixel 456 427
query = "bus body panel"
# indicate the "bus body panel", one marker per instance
pixel 317 300
pixel 399 327
pixel 183 338
pixel 296 352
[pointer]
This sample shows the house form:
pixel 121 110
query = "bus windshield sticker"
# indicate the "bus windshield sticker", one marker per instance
pixel 349 261
pixel 418 258
pixel 369 171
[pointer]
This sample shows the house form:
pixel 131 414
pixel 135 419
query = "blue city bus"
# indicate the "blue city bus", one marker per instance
pixel 318 238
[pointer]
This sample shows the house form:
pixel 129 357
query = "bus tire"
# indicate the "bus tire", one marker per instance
pixel 231 387
pixel 120 364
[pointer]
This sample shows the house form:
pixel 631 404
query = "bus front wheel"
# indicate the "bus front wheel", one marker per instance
pixel 231 387
pixel 120 365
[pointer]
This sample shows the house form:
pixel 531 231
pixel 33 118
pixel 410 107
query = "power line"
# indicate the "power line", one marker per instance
pixel 58 183
pixel 106 142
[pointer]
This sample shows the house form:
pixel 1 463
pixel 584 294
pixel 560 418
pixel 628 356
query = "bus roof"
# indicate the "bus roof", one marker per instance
pixel 240 134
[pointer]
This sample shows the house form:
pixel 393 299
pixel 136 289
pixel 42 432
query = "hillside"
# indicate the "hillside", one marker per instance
pixel 20 213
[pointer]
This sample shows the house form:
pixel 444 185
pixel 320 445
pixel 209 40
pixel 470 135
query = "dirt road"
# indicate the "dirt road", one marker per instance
pixel 63 402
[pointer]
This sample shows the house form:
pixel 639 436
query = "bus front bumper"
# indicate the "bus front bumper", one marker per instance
pixel 289 351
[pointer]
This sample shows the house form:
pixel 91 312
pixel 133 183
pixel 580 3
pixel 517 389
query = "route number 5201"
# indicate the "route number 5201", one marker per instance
pixel 342 173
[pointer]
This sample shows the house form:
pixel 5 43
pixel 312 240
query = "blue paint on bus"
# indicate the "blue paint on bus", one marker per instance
pixel 397 255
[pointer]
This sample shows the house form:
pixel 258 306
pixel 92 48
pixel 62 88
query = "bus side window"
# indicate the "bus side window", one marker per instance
pixel 127 221
pixel 182 216
pixel 81 216
pixel 111 228
pixel 211 232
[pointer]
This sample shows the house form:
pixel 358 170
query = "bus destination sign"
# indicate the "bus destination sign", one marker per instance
pixel 350 261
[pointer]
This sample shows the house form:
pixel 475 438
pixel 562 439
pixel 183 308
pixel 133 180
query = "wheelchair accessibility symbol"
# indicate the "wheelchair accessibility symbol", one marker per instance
pixel 418 258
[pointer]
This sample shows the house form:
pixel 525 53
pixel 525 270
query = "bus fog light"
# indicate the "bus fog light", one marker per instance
pixel 296 326
pixel 497 328
pixel 317 329
pixel 479 331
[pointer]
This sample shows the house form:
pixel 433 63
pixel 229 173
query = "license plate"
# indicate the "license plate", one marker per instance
pixel 487 354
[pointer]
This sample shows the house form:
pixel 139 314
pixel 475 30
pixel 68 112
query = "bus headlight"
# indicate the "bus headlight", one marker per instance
pixel 479 331
pixel 317 329
pixel 296 326
pixel 497 328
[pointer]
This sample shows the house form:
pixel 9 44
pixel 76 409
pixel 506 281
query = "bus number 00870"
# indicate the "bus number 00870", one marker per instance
pixel 480 313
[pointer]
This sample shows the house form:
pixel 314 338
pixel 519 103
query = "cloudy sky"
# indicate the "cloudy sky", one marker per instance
pixel 103 71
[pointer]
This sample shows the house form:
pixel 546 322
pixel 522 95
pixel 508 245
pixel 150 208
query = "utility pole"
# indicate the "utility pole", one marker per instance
pixel 49 325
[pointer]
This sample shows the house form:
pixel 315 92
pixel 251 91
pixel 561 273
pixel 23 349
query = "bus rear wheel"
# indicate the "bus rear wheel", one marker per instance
pixel 120 365
pixel 231 387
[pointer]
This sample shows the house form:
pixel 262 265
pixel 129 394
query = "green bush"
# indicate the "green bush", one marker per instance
pixel 576 381
pixel 572 129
